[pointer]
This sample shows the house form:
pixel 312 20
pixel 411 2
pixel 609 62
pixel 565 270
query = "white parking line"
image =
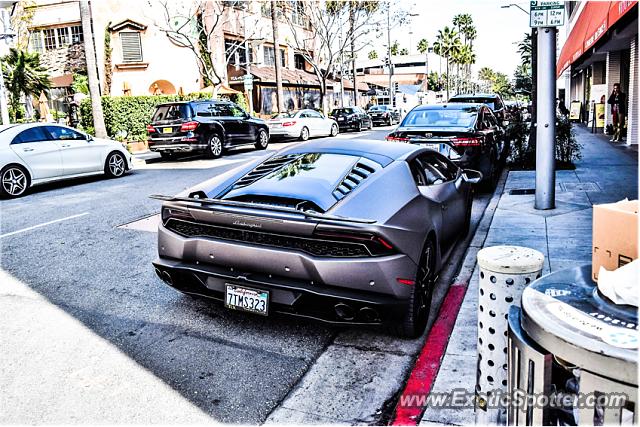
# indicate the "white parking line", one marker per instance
pixel 33 227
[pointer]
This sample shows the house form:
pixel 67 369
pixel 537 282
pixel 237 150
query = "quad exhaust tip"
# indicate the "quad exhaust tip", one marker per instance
pixel 344 311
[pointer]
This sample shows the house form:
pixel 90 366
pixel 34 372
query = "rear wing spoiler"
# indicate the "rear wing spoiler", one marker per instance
pixel 197 198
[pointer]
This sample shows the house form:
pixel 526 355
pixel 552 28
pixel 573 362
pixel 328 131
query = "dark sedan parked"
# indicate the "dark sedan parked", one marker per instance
pixel 384 115
pixel 351 118
pixel 492 100
pixel 210 127
pixel 304 232
pixel 468 134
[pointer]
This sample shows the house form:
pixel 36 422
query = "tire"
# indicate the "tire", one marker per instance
pixel 304 134
pixel 418 308
pixel 390 121
pixel 359 128
pixel 214 146
pixel 491 173
pixel 334 130
pixel 263 140
pixel 116 165
pixel 14 181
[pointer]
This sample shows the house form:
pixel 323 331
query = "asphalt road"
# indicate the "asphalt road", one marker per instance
pixel 64 243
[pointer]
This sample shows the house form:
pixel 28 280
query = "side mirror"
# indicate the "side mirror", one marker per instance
pixel 505 123
pixel 472 176
pixel 89 138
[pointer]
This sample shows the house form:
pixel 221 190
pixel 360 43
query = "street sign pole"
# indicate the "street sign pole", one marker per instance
pixel 545 16
pixel 546 119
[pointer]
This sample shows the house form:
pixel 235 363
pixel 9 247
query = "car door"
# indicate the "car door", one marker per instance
pixel 441 176
pixel 39 152
pixel 79 153
pixel 318 123
pixel 237 124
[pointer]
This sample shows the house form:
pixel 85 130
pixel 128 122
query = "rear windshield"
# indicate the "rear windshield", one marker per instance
pixel 282 115
pixel 379 108
pixel 342 111
pixel 327 168
pixel 172 112
pixel 489 101
pixel 464 117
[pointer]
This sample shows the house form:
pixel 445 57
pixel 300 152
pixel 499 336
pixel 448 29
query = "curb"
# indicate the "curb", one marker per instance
pixel 427 365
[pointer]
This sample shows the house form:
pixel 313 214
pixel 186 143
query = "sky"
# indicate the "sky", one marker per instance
pixel 499 30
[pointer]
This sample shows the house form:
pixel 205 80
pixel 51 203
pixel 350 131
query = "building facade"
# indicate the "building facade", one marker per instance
pixel 601 49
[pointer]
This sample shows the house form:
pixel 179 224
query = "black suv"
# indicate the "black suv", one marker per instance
pixel 384 115
pixel 494 101
pixel 210 127
pixel 353 118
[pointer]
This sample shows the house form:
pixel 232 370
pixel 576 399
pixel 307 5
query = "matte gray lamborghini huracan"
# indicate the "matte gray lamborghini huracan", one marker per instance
pixel 340 231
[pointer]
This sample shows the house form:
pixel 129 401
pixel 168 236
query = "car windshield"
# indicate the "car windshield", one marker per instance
pixel 463 117
pixel 171 112
pixel 475 100
pixel 379 108
pixel 342 111
pixel 283 115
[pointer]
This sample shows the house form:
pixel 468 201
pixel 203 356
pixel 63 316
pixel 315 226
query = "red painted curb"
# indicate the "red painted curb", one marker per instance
pixel 427 365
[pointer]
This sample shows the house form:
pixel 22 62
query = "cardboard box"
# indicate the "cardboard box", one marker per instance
pixel 615 235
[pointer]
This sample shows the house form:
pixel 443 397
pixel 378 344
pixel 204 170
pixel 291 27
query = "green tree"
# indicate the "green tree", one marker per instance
pixel 404 51
pixel 23 74
pixel 395 48
pixel 447 44
pixel 373 54
pixel 423 46
pixel 502 85
pixel 524 49
pixel 523 81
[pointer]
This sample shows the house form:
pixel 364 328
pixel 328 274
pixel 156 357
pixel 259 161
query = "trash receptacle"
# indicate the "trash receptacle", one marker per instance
pixel 504 273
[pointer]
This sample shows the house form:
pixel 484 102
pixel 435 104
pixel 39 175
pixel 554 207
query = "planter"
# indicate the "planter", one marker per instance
pixel 137 147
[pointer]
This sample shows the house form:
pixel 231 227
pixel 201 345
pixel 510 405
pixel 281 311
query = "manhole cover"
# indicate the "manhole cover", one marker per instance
pixel 579 186
pixel 522 191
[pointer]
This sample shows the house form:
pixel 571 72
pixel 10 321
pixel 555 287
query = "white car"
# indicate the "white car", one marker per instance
pixel 301 124
pixel 35 153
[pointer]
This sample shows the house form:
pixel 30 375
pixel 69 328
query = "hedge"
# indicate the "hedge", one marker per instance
pixel 130 114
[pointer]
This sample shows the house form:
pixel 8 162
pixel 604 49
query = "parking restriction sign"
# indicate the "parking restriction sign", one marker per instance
pixel 547 14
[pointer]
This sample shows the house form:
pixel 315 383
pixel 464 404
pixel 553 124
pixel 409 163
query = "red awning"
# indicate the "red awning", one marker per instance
pixel 594 21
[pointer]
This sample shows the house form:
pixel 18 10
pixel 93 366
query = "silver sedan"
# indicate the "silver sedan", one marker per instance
pixel 302 124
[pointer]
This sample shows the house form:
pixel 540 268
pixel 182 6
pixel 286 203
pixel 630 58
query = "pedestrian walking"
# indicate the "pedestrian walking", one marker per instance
pixel 618 103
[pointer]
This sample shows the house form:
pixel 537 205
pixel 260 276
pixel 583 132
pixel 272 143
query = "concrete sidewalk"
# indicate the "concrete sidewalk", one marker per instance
pixel 606 173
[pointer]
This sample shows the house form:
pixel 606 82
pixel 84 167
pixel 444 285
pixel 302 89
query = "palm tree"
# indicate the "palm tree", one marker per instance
pixel 487 75
pixel 446 44
pixel 92 74
pixel 464 22
pixel 23 74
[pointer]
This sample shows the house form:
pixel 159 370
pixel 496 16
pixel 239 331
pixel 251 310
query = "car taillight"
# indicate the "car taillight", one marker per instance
pixel 168 213
pixel 396 138
pixel 467 142
pixel 375 244
pixel 151 129
pixel 189 126
pixel 289 123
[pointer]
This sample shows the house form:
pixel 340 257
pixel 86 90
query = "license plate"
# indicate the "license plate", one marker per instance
pixel 435 147
pixel 247 299
pixel 167 130
pixel 340 119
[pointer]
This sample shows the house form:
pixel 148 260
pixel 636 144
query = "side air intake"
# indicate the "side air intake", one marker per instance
pixel 361 171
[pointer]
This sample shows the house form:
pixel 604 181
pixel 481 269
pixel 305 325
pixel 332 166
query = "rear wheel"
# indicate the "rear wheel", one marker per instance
pixel 214 146
pixel 418 309
pixel 334 129
pixel 359 128
pixel 263 140
pixel 14 181
pixel 491 172
pixel 116 165
pixel 467 217
pixel 304 134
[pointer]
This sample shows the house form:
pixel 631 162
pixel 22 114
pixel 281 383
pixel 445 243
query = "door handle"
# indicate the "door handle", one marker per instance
pixel 27 149
pixel 65 145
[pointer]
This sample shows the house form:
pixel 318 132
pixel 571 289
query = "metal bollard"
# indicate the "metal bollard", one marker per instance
pixel 504 273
